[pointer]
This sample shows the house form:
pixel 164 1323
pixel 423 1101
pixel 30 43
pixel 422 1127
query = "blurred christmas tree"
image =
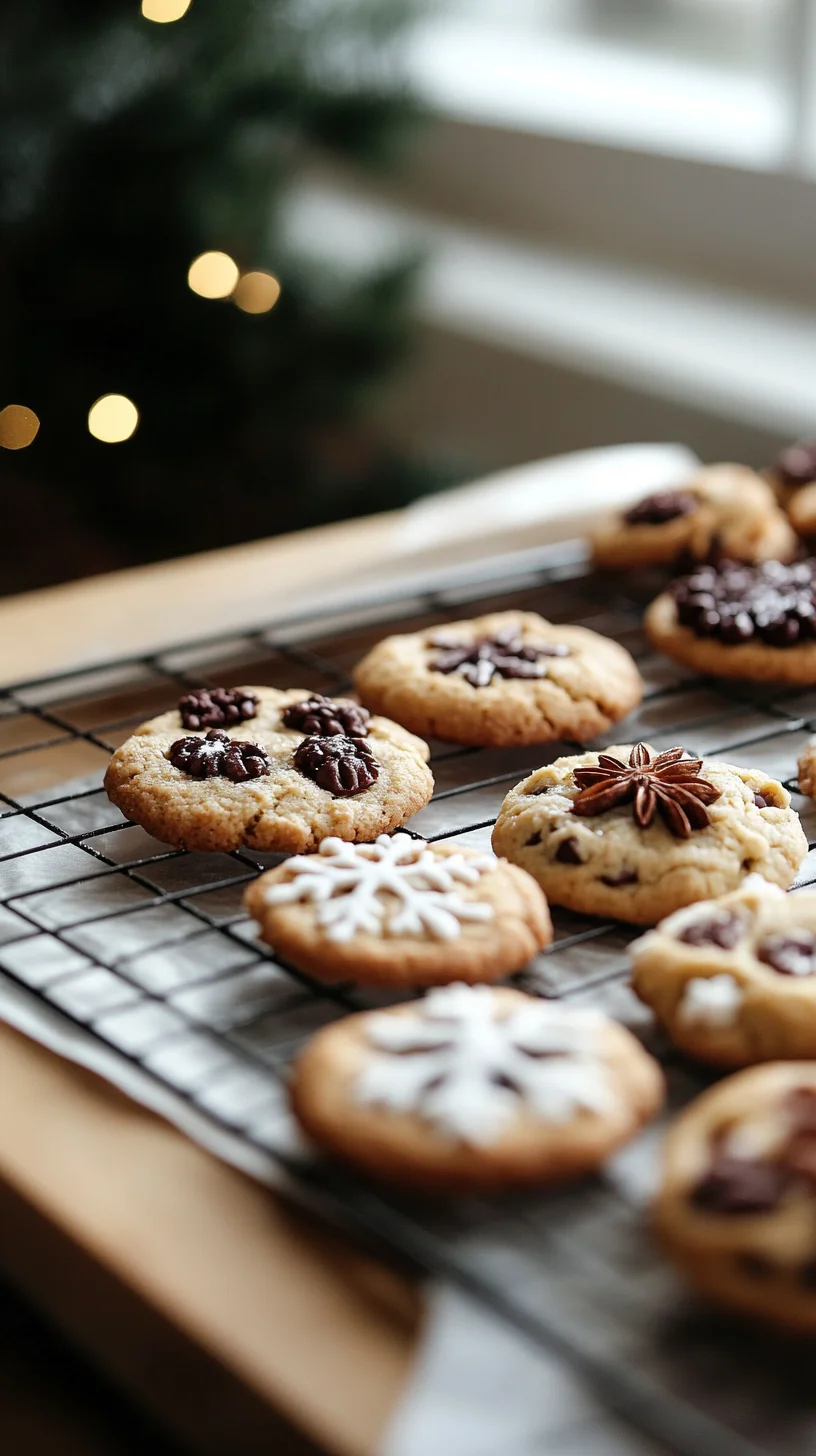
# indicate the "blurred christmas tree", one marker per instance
pixel 128 148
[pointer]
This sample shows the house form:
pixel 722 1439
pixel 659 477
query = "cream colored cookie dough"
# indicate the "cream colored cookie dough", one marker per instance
pixel 736 516
pixel 608 865
pixel 475 1087
pixel 283 811
pixel 590 687
pixel 737 1210
pixel 401 912
pixel 733 980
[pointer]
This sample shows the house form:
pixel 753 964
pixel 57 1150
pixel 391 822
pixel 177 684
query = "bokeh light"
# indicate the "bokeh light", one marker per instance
pixel 113 418
pixel 18 426
pixel 257 292
pixel 163 10
pixel 213 275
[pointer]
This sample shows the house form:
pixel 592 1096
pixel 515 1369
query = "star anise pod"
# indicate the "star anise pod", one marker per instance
pixel 668 783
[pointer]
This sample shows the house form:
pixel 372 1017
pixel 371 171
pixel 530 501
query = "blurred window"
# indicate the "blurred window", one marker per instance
pixel 720 80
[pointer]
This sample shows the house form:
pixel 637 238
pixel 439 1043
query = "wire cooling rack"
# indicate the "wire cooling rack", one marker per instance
pixel 149 950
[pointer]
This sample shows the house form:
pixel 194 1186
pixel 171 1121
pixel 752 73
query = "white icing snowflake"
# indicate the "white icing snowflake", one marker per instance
pixel 396 886
pixel 711 1001
pixel 469 1073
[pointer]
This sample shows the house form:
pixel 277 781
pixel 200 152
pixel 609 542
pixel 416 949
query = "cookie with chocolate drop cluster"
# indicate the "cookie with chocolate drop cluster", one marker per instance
pixel 757 623
pixel 634 835
pixel 722 511
pixel 737 1206
pixel 271 769
pixel 733 980
pixel 474 1087
pixel 503 679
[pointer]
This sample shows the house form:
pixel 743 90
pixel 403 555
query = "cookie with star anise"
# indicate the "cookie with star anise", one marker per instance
pixel 503 679
pixel 737 1206
pixel 633 834
pixel 722 511
pixel 733 980
pixel 271 769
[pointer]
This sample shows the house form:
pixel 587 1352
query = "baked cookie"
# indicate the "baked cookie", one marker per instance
pixel 283 772
pixel 722 511
pixel 741 621
pixel 733 980
pixel 401 912
pixel 634 835
pixel 504 679
pixel 475 1087
pixel 806 769
pixel 737 1209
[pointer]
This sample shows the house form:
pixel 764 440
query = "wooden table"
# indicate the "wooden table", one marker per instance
pixel 239 1325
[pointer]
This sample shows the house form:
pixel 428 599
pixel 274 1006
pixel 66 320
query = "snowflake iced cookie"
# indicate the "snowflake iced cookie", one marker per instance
pixel 723 511
pixel 401 912
pixel 270 769
pixel 635 835
pixel 475 1087
pixel 507 678
pixel 757 623
pixel 737 1208
pixel 733 980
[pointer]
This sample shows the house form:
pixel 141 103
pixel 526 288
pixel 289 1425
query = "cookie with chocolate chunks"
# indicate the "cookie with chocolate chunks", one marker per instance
pixel 277 776
pixel 737 1206
pixel 503 679
pixel 752 622
pixel 633 834
pixel 722 511
pixel 733 980
pixel 474 1087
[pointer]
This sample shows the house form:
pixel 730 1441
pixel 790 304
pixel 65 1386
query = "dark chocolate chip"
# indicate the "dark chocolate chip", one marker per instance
pixel 740 1185
pixel 620 877
pixel 793 954
pixel 721 929
pixel 797 465
pixel 342 766
pixel 664 505
pixel 219 756
pixel 505 655
pixel 569 851
pixel 535 838
pixel 327 717
pixel 216 707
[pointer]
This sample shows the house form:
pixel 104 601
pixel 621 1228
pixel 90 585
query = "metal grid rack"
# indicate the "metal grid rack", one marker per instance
pixel 149 950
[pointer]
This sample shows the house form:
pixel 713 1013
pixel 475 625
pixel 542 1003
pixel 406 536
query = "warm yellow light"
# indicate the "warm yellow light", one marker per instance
pixel 213 275
pixel 164 10
pixel 113 418
pixel 18 426
pixel 257 292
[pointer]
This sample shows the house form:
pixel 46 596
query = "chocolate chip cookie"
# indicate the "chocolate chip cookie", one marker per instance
pixel 475 1087
pixel 737 1209
pixel 507 678
pixel 284 771
pixel 634 835
pixel 723 511
pixel 757 623
pixel 401 912
pixel 733 980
